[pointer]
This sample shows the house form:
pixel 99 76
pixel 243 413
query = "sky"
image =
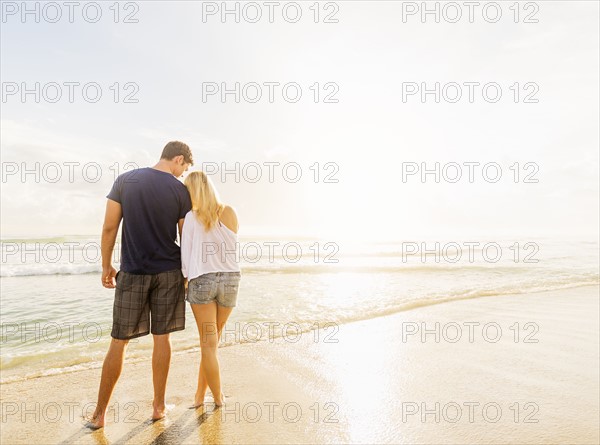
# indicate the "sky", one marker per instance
pixel 351 145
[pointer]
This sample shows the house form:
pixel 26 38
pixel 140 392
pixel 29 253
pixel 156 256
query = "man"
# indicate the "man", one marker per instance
pixel 149 285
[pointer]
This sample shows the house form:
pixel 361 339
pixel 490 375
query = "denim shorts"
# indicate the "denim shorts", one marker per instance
pixel 221 287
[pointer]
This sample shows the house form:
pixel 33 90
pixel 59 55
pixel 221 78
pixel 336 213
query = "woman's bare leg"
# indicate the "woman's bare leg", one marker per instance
pixel 210 319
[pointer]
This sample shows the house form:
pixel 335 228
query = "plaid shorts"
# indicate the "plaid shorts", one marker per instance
pixel 141 297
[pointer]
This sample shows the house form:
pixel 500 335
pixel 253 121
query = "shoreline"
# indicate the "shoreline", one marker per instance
pixel 409 306
pixel 379 383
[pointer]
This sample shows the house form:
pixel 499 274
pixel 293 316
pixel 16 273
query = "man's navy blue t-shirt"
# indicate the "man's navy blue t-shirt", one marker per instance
pixel 152 202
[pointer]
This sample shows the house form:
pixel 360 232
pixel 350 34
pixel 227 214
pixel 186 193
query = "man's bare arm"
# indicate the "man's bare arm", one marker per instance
pixel 180 224
pixel 112 220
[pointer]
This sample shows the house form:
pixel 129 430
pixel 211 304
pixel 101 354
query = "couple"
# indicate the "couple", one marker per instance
pixel 150 287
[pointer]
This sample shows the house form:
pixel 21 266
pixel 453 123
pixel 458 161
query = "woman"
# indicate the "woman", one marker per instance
pixel 209 262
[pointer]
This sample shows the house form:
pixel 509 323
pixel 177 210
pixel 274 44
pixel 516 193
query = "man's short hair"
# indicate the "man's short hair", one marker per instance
pixel 177 148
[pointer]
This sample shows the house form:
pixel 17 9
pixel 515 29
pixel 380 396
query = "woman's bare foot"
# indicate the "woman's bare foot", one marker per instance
pixel 198 400
pixel 220 401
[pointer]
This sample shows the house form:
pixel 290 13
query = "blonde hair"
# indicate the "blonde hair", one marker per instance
pixel 205 201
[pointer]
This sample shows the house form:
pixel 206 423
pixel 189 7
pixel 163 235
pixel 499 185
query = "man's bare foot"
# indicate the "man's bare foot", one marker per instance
pixel 159 412
pixel 95 422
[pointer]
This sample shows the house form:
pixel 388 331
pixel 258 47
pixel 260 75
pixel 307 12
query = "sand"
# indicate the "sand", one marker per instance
pixel 373 381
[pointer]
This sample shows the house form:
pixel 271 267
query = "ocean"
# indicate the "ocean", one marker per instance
pixel 55 316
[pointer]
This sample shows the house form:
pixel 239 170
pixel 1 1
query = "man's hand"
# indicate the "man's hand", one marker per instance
pixel 185 284
pixel 108 277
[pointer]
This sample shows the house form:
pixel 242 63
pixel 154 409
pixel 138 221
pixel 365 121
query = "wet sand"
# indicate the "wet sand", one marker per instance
pixel 524 369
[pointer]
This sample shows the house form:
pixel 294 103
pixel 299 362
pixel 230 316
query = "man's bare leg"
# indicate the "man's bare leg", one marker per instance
pixel 111 370
pixel 161 360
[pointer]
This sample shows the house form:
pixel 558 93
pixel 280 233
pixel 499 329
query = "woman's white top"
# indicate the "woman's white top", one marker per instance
pixel 207 251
